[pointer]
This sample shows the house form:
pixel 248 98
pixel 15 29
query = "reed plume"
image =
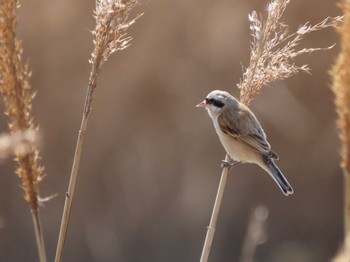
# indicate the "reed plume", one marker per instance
pixel 272 54
pixel 18 99
pixel 274 49
pixel 109 36
pixel 341 89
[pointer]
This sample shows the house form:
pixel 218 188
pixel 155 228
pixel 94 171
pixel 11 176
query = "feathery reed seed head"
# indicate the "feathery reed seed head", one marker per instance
pixel 341 87
pixel 274 48
pixel 110 33
pixel 18 97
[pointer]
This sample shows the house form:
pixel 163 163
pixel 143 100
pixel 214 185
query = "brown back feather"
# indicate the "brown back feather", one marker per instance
pixel 242 125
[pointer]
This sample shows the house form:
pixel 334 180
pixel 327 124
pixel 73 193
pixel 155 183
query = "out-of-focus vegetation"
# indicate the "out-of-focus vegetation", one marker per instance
pixel 150 166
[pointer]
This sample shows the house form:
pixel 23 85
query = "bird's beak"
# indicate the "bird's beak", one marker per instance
pixel 202 104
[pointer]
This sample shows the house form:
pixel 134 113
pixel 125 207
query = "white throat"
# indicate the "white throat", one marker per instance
pixel 213 111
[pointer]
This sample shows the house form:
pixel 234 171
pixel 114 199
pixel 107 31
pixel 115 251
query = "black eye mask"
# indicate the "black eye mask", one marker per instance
pixel 214 102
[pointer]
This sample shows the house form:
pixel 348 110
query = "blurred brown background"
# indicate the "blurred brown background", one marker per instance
pixel 150 166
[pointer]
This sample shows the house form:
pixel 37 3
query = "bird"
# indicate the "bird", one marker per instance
pixel 242 136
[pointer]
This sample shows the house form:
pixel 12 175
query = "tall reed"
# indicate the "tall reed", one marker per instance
pixel 18 99
pixel 110 35
pixel 272 54
pixel 341 89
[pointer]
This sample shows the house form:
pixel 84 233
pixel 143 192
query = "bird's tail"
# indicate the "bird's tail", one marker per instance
pixel 277 175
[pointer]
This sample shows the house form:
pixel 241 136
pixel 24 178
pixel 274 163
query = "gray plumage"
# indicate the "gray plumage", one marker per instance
pixel 242 135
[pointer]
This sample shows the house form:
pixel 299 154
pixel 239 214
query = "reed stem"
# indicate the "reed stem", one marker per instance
pixel 110 35
pixel 39 235
pixel 215 214
pixel 75 165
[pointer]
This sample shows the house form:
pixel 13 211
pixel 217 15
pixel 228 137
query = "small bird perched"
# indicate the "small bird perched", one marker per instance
pixel 242 135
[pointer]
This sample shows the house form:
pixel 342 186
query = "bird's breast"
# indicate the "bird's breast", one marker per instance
pixel 234 147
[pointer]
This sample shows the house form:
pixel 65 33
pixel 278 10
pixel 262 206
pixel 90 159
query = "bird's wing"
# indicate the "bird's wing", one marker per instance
pixel 244 127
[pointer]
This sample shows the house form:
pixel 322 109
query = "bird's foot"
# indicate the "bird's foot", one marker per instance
pixel 229 164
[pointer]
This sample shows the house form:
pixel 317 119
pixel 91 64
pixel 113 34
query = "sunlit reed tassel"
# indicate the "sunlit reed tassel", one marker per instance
pixel 341 89
pixel 18 97
pixel 110 35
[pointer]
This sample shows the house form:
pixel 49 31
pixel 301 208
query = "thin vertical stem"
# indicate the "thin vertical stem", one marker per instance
pixel 109 37
pixel 214 217
pixel 39 236
pixel 75 165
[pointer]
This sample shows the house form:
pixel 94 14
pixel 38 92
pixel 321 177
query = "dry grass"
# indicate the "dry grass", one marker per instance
pixel 274 48
pixel 112 22
pixel 341 89
pixel 110 35
pixel 18 98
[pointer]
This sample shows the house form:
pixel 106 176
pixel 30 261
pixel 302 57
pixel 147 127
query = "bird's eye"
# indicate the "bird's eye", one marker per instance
pixel 212 101
pixel 209 101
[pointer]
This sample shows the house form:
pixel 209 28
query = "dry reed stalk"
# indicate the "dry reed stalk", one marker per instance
pixel 215 214
pixel 110 35
pixel 341 89
pixel 18 97
pixel 273 50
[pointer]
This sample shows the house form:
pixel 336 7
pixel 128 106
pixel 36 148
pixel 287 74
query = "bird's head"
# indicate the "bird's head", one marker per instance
pixel 217 101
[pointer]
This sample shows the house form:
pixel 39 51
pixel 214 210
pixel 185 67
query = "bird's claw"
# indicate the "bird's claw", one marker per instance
pixel 229 164
pixel 225 163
